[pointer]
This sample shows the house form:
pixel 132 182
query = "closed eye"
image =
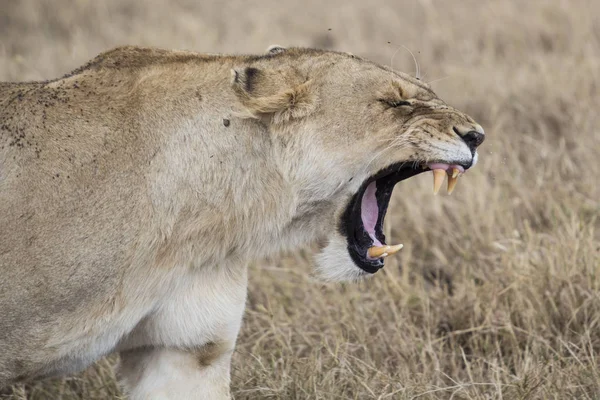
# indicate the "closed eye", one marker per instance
pixel 396 103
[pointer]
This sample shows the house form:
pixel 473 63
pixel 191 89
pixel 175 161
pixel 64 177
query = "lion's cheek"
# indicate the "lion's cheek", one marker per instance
pixel 334 264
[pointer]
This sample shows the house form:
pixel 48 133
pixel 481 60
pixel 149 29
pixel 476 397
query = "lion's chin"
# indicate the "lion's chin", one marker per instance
pixel 334 264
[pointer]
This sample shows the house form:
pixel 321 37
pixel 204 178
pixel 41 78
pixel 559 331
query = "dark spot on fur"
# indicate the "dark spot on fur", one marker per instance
pixel 209 353
pixel 251 76
pixel 226 122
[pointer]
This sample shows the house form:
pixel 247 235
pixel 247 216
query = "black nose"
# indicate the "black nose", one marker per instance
pixel 472 138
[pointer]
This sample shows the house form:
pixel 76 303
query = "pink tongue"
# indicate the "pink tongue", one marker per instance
pixel 369 212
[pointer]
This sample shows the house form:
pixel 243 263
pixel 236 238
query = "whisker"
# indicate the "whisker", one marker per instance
pixel 438 79
pixel 392 59
pixel 418 72
pixel 417 69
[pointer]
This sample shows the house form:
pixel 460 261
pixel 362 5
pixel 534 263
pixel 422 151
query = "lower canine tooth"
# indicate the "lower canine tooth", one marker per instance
pixel 438 179
pixel 394 249
pixel 378 251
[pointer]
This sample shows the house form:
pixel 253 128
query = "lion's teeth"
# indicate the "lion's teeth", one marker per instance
pixel 451 184
pixel 438 179
pixel 452 180
pixel 383 251
pixel 394 249
pixel 378 251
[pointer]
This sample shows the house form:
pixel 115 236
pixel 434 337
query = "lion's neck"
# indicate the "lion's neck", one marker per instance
pixel 224 192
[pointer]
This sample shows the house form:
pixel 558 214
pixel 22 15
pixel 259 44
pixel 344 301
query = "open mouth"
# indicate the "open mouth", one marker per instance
pixel 362 221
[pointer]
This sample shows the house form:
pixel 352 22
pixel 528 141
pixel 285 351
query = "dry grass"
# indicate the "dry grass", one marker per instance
pixel 497 292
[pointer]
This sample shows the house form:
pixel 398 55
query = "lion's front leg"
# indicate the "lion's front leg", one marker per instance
pixel 170 373
pixel 183 349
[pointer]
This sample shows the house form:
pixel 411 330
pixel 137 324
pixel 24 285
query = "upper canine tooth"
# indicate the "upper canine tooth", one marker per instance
pixel 378 251
pixel 394 249
pixel 451 184
pixel 452 180
pixel 438 179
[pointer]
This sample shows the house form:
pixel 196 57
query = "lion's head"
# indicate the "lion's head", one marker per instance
pixel 348 130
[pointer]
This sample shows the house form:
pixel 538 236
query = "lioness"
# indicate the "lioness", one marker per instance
pixel 135 190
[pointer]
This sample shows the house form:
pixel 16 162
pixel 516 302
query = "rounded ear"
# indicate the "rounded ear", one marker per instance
pixel 273 96
pixel 275 49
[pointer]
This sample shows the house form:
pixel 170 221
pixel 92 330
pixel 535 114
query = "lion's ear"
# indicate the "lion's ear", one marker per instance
pixel 275 49
pixel 273 96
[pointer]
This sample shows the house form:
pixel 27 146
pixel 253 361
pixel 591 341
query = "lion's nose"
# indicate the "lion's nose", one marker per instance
pixel 473 136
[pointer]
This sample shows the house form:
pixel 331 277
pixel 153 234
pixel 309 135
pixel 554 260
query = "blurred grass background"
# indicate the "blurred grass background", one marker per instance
pixel 496 294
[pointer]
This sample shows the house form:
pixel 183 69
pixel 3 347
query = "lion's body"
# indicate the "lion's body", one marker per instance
pixel 133 193
pixel 97 219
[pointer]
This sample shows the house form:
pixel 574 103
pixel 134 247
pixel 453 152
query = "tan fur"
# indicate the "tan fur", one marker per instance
pixel 134 191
